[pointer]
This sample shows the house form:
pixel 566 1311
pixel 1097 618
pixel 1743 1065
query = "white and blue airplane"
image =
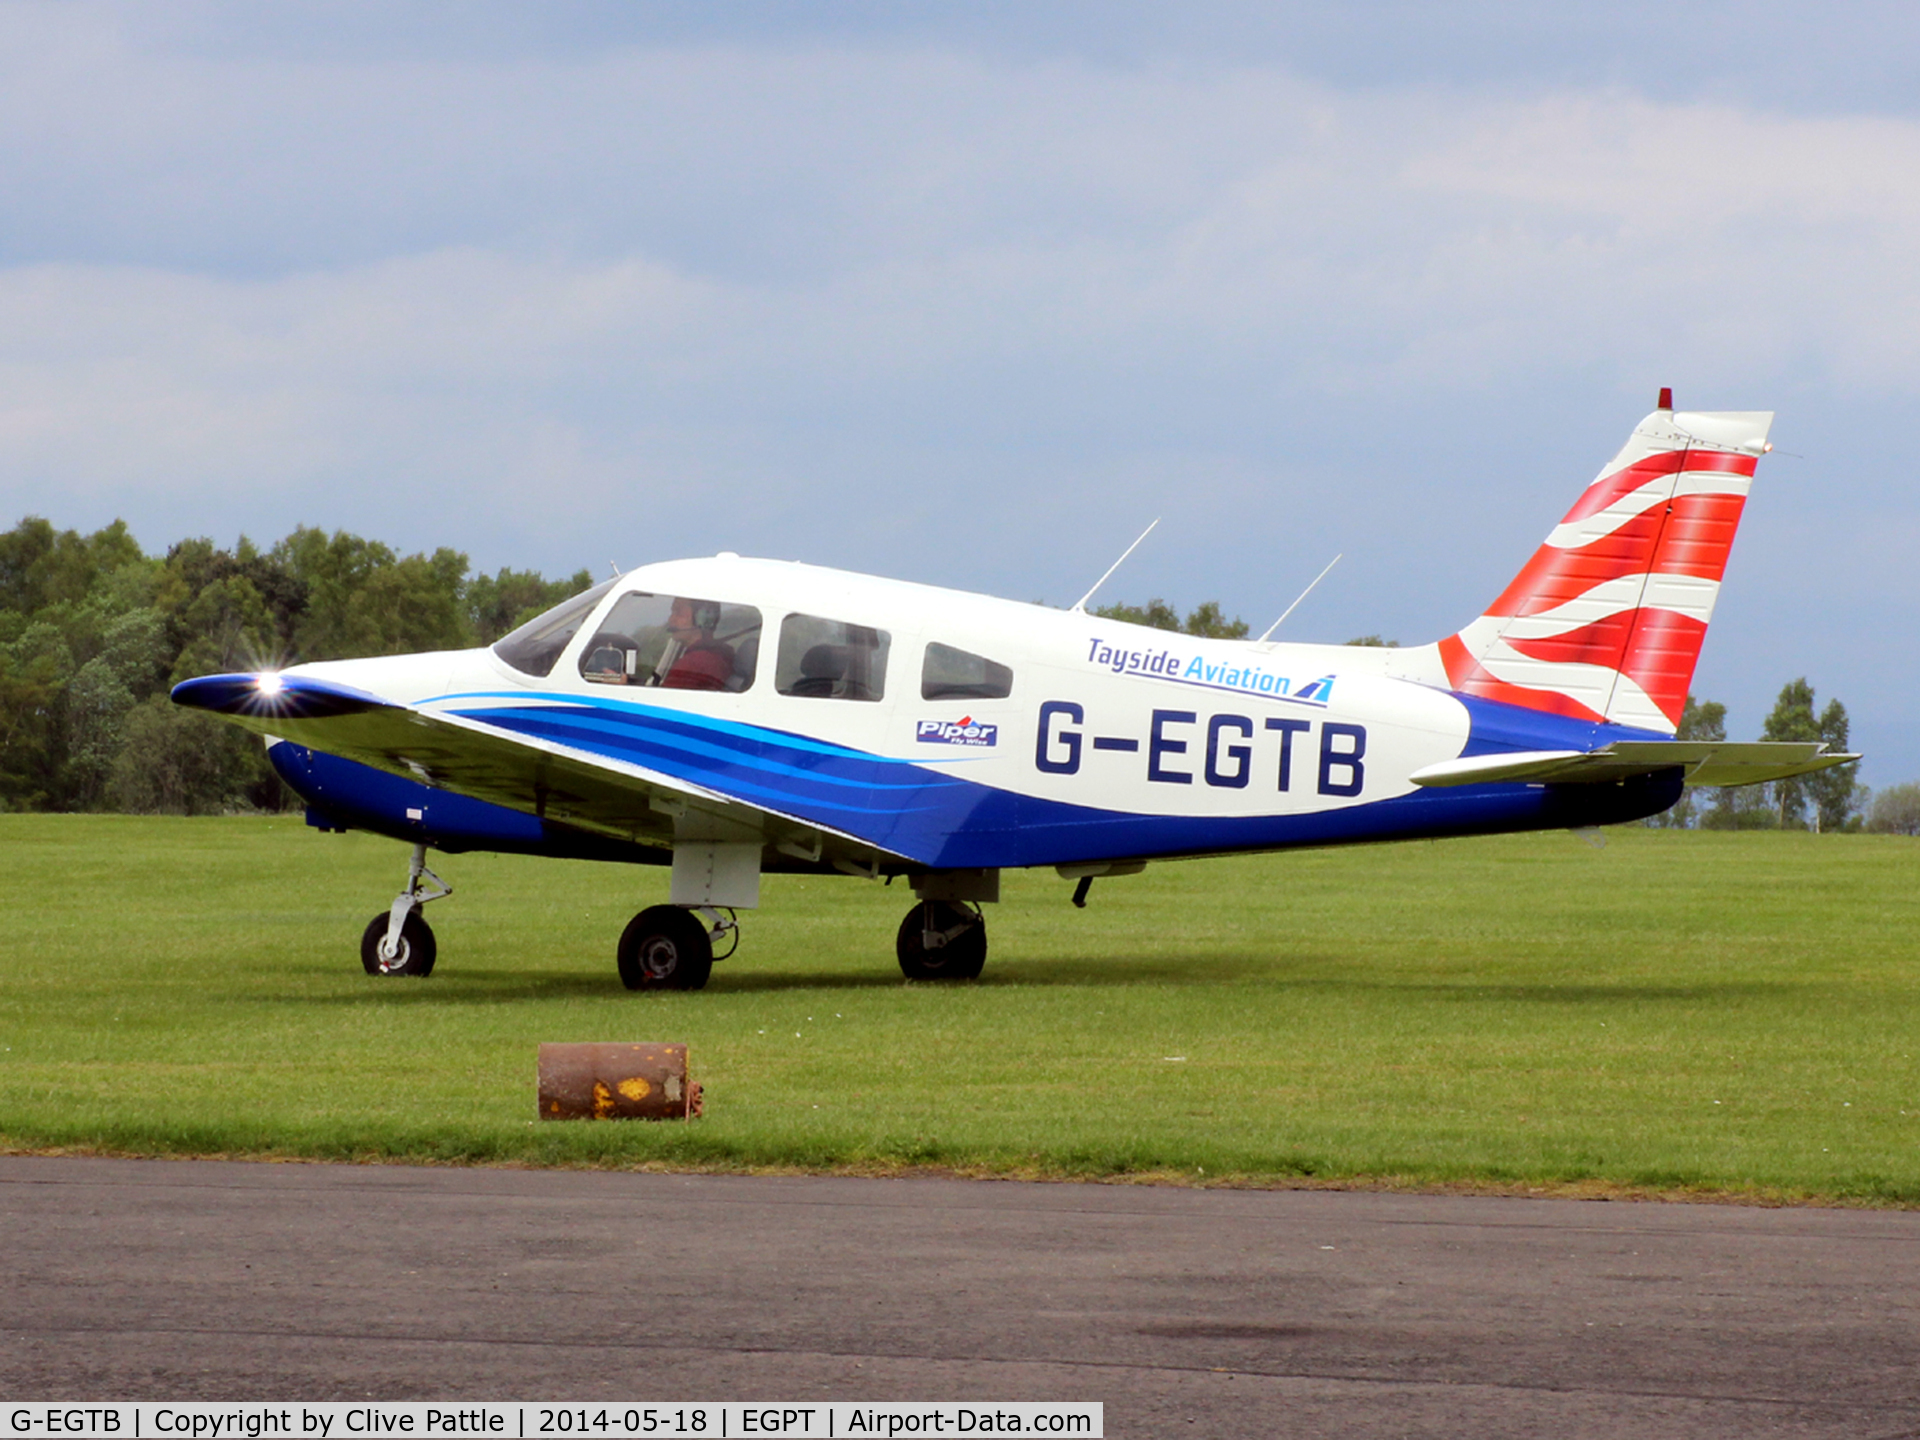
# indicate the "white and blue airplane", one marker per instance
pixel 731 717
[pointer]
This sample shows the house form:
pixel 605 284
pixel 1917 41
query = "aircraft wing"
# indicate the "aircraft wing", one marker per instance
pixel 1706 762
pixel 591 792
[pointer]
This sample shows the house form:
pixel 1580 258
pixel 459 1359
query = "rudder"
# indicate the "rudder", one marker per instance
pixel 1606 621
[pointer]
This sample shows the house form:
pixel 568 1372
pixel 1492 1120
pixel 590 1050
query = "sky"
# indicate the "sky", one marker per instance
pixel 969 293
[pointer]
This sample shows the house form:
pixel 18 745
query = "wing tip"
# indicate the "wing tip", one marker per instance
pixel 268 694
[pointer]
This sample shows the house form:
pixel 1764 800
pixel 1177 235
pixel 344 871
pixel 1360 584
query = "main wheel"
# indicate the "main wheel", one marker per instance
pixel 417 950
pixel 665 948
pixel 961 958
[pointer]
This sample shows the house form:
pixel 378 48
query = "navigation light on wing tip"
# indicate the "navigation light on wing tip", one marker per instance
pixel 269 683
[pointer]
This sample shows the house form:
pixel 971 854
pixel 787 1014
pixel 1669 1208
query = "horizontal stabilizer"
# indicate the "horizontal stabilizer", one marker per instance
pixel 1706 762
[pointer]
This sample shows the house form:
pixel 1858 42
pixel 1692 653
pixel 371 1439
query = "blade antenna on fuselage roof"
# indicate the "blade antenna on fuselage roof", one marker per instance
pixel 1081 604
pixel 1296 604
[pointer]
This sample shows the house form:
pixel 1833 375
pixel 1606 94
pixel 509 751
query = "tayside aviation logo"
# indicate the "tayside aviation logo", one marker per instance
pixel 964 731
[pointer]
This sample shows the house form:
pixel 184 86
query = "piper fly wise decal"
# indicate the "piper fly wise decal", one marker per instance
pixel 727 717
pixel 964 731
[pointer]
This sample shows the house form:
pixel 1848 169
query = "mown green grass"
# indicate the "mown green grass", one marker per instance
pixel 1674 1013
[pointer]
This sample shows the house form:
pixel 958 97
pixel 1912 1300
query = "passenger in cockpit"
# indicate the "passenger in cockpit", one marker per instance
pixel 703 663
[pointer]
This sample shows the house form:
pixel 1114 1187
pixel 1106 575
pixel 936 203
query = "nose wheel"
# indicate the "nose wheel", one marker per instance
pixel 942 940
pixel 398 941
pixel 414 955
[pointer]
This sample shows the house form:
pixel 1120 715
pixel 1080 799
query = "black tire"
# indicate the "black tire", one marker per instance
pixel 417 950
pixel 665 948
pixel 961 958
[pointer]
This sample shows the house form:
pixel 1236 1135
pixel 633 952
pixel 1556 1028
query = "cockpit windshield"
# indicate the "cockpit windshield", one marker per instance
pixel 535 647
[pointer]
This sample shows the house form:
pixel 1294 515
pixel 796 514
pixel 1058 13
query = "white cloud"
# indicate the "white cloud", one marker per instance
pixel 931 312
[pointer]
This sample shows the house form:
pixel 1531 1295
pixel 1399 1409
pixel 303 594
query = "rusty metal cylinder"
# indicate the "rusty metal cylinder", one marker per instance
pixel 616 1082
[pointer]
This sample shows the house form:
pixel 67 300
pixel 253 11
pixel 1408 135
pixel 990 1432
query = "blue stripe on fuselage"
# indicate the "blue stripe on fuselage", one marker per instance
pixel 943 820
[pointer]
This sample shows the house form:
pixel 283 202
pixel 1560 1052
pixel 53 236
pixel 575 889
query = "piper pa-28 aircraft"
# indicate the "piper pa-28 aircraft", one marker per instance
pixel 731 717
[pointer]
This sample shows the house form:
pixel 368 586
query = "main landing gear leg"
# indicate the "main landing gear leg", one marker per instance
pixel 399 942
pixel 942 940
pixel 670 947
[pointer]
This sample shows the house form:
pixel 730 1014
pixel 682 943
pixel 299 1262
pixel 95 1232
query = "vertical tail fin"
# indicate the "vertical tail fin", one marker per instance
pixel 1605 622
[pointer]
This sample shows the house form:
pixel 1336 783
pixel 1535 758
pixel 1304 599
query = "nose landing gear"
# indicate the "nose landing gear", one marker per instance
pixel 400 942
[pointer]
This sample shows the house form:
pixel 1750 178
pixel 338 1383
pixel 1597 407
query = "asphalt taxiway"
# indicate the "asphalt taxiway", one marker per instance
pixel 1188 1312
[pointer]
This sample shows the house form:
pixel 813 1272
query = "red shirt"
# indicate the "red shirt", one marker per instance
pixel 706 666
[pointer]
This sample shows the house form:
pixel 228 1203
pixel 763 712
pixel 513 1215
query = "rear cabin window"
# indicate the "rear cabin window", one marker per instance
pixel 950 674
pixel 674 642
pixel 831 659
pixel 535 648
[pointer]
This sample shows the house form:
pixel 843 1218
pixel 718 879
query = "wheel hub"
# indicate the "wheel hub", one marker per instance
pixel 659 957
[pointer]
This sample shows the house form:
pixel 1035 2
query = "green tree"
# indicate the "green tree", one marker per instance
pixel 1373 642
pixel 224 626
pixel 1792 719
pixel 97 705
pixel 92 630
pixel 238 600
pixel 34 670
pixel 362 599
pixel 1896 810
pixel 1156 613
pixel 181 762
pixel 64 640
pixel 1831 790
pixel 1835 791
pixel 1205 620
pixel 499 603
pixel 41 566
pixel 131 664
pixel 1741 807
pixel 1699 720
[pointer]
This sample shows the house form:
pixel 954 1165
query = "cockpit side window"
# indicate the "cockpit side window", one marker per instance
pixel 535 648
pixel 674 642
pixel 951 674
pixel 831 659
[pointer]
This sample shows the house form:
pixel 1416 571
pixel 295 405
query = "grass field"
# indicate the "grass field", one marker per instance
pixel 1675 1013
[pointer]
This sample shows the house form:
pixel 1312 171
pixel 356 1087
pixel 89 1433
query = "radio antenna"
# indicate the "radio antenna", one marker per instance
pixel 1296 604
pixel 1080 605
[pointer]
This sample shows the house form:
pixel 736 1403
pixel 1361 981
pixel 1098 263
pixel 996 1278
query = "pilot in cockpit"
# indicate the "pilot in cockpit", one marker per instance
pixel 665 641
pixel 694 659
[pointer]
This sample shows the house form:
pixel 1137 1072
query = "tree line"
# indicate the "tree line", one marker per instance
pixel 94 632
pixel 1831 799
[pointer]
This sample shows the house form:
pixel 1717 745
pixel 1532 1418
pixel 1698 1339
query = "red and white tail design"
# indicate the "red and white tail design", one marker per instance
pixel 1605 622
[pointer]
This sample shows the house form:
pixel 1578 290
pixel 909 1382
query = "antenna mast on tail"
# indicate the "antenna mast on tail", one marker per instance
pixel 1296 604
pixel 1080 605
